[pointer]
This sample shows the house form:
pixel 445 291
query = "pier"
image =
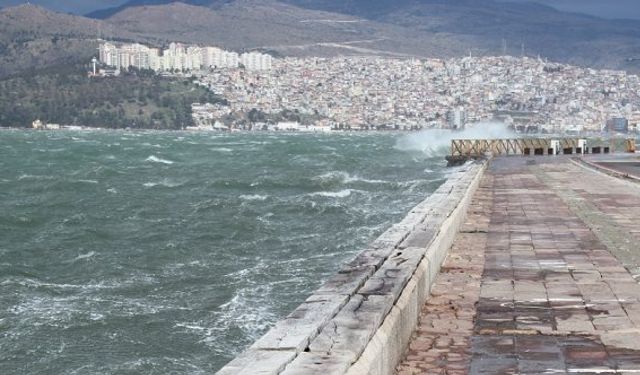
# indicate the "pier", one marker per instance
pixel 542 278
pixel 515 265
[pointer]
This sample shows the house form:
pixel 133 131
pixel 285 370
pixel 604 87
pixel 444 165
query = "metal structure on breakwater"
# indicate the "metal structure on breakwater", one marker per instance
pixel 465 149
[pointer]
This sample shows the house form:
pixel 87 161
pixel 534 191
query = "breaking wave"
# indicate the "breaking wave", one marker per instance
pixel 437 142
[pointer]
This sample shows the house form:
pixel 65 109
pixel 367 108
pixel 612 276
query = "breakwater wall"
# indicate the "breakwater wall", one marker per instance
pixel 360 321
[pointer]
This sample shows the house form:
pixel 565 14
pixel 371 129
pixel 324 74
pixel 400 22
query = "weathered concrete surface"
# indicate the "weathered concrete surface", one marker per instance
pixel 362 318
pixel 385 349
pixel 441 342
pixel 557 292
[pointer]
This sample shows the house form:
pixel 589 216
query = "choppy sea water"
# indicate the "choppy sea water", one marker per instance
pixel 164 252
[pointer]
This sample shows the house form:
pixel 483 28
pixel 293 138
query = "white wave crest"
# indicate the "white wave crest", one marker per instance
pixel 344 177
pixel 164 183
pixel 364 180
pixel 222 149
pixel 85 256
pixel 155 159
pixel 332 194
pixel 339 176
pixel 33 177
pixel 253 197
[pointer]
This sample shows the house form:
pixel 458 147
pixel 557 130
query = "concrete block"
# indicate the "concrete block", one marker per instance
pixel 259 362
pixel 396 234
pixel 348 280
pixel 372 257
pixel 313 363
pixel 352 329
pixel 394 274
pixel 301 326
pixel 420 237
pixel 386 348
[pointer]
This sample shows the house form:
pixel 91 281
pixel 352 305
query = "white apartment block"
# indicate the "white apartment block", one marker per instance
pixel 213 57
pixel 179 57
pixel 256 61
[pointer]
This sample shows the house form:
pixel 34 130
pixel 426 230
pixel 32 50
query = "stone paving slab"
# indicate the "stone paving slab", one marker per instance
pixel 441 342
pixel 545 285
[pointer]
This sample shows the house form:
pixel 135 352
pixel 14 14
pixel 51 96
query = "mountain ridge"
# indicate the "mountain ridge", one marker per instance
pixel 404 28
pixel 440 28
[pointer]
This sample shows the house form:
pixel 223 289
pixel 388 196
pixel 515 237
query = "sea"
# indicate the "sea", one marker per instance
pixel 153 252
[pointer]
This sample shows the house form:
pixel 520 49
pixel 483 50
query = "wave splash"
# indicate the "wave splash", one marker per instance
pixel 437 142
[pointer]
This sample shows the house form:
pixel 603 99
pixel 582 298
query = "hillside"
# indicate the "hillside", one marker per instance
pixel 437 28
pixel 33 37
pixel 65 95
pixel 275 26
pixel 560 36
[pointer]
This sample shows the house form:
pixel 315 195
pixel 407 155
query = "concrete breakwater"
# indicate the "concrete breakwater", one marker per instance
pixel 361 319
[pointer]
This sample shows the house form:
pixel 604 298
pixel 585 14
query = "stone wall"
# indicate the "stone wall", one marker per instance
pixel 361 320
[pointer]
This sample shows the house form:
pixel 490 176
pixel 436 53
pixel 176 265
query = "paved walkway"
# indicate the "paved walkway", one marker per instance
pixel 540 280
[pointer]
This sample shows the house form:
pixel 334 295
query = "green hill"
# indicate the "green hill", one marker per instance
pixel 66 95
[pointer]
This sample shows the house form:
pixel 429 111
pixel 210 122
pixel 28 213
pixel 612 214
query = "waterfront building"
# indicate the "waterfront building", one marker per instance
pixel 38 124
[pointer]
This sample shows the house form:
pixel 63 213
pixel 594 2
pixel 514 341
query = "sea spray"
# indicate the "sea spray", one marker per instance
pixel 437 142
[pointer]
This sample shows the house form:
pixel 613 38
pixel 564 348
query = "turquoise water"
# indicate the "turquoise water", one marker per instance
pixel 164 252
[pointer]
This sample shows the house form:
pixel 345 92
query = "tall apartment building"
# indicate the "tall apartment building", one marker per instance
pixel 178 57
pixel 457 118
pixel 109 54
pixel 213 57
pixel 256 61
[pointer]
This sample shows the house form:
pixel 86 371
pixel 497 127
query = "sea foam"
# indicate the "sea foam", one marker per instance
pixel 155 159
pixel 85 256
pixel 332 194
pixel 253 197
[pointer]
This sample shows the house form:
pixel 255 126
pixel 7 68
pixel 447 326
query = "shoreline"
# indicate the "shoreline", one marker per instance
pixel 332 131
pixel 344 325
pixel 199 131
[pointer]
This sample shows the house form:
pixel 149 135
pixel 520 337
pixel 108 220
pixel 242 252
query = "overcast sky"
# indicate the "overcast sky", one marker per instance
pixel 601 8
